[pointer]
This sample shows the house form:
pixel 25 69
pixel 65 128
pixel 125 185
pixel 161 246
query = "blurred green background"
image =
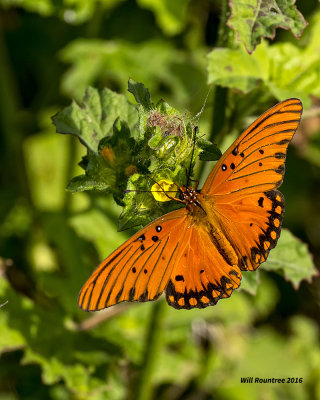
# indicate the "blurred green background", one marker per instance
pixel 51 240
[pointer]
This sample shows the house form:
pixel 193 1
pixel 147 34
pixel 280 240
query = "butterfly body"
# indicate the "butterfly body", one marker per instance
pixel 196 253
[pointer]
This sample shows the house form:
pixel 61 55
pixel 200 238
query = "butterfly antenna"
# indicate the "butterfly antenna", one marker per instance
pixel 148 191
pixel 190 165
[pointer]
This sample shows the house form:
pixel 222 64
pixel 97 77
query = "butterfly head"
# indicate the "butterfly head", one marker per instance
pixel 189 197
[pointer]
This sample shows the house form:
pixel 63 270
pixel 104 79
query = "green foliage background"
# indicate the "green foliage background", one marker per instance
pixel 50 238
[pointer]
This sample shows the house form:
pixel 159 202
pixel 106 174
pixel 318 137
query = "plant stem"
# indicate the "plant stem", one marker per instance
pixel 69 172
pixel 13 170
pixel 153 343
pixel 220 94
pixel 195 384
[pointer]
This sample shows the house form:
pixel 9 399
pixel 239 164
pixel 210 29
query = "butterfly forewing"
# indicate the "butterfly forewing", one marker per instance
pixel 139 269
pixel 255 161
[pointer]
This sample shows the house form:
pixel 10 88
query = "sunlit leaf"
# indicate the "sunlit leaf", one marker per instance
pixel 284 69
pixel 155 62
pixel 210 151
pixel 95 227
pixel 72 12
pixel 170 15
pixel 94 118
pixel 234 69
pixel 254 20
pixel 141 93
pixel 250 281
pixel 292 257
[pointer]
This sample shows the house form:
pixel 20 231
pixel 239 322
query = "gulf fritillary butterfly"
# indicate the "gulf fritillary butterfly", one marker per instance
pixel 196 253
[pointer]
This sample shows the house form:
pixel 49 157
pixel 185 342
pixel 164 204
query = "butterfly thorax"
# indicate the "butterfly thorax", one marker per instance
pixel 189 197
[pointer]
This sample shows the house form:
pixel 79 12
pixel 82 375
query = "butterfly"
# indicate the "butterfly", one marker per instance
pixel 196 253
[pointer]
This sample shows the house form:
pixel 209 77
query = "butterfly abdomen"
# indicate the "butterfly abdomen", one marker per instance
pixel 223 245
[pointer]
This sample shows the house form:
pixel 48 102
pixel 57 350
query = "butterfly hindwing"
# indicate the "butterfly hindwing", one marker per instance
pixel 252 225
pixel 201 275
pixel 139 269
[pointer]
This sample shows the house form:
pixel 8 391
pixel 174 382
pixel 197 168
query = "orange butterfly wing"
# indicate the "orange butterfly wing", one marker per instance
pixel 202 274
pixel 255 161
pixel 139 269
pixel 240 194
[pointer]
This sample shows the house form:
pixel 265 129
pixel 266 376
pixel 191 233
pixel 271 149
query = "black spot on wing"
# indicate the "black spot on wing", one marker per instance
pixel 260 202
pixel 235 151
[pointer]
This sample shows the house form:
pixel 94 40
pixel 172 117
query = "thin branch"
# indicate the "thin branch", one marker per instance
pixel 152 349
pixel 102 316
pixel 311 113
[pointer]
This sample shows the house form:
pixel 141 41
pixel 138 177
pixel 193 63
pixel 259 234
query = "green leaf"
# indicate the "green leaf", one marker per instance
pixel 94 226
pixel 72 12
pixel 170 15
pixel 53 370
pixel 97 60
pixel 94 119
pixel 236 69
pixel 266 295
pixel 141 93
pixel 292 258
pixel 166 71
pixel 11 338
pixel 43 7
pixel 250 281
pixel 210 151
pixel 312 150
pixel 99 175
pixel 82 183
pixel 140 205
pixel 41 167
pixel 256 19
pixel 163 145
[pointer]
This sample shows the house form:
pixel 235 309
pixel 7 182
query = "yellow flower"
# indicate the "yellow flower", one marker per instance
pixel 162 189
